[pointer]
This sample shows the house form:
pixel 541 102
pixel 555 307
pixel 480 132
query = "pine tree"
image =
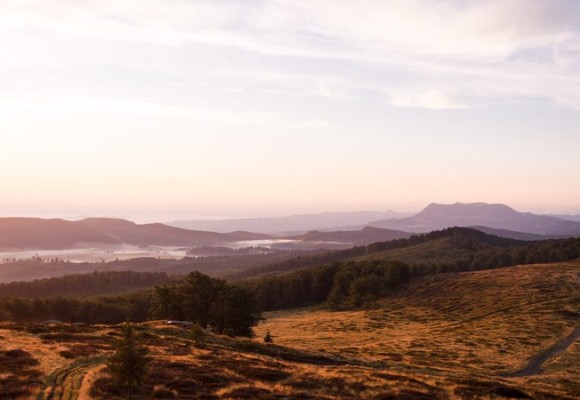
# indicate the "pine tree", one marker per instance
pixel 129 364
pixel 268 338
pixel 198 335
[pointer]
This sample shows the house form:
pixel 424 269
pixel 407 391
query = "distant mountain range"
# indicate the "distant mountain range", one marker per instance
pixel 308 231
pixel 567 217
pixel 296 224
pixel 495 216
pixel 36 233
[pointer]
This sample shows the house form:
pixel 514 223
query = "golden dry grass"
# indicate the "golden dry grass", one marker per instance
pixel 449 328
pixel 441 337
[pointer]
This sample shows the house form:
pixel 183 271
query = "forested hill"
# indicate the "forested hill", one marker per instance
pixel 460 237
pixel 382 267
pixel 360 237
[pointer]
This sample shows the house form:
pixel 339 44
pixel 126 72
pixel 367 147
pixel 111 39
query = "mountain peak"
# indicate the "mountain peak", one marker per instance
pixel 497 216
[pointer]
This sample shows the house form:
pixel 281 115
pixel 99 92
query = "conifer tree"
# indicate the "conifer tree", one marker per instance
pixel 129 364
pixel 198 335
pixel 268 338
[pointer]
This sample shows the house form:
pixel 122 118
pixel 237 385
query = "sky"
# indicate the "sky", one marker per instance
pixel 162 109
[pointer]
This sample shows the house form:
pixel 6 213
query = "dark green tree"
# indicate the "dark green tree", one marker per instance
pixel 199 292
pixel 129 364
pixel 167 302
pixel 198 335
pixel 268 338
pixel 162 299
pixel 235 312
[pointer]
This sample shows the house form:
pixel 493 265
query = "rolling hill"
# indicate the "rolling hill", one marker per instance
pixel 496 216
pixel 37 233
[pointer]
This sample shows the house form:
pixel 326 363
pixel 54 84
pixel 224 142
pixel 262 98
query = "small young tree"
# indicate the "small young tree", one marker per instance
pixel 268 338
pixel 129 364
pixel 198 335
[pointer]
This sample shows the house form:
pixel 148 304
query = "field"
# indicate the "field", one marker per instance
pixel 450 336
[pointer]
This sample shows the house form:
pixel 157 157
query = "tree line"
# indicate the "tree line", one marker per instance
pixel 198 298
pixel 85 284
pixel 344 285
pixel 134 307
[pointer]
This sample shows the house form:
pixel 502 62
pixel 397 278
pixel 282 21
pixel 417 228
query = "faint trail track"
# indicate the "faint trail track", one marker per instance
pixel 87 382
pixel 69 383
pixel 534 365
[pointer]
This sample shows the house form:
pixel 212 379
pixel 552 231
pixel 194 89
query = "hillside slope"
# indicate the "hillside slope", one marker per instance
pixel 458 331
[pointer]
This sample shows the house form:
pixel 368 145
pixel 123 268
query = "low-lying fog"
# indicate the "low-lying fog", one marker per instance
pixel 95 254
pixel 106 254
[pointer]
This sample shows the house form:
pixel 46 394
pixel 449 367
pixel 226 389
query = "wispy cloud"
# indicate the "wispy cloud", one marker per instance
pixel 528 48
pixel 329 92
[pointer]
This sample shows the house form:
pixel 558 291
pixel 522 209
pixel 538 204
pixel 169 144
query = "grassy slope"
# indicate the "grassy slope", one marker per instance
pixel 445 336
pixel 451 328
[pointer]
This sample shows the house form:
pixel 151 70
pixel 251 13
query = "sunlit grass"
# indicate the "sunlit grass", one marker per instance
pixel 447 336
pixel 448 326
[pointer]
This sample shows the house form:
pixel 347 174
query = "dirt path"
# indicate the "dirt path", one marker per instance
pixel 87 381
pixel 67 383
pixel 534 365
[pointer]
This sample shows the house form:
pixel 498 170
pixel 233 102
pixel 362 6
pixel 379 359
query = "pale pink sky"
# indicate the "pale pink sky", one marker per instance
pixel 189 108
